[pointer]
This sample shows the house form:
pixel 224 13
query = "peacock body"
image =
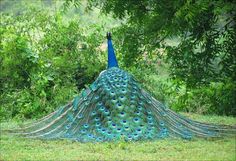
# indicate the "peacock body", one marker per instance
pixel 116 107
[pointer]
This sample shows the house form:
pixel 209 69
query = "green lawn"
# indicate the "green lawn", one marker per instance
pixel 15 148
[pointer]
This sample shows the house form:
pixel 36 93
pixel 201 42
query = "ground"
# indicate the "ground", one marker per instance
pixel 16 148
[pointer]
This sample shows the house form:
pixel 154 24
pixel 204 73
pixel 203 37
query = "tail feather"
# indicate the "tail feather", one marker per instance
pixel 116 107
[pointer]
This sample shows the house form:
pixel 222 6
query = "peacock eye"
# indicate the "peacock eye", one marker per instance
pixel 80 116
pixel 86 125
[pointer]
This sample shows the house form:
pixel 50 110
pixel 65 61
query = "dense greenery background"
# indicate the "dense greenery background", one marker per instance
pixel 182 51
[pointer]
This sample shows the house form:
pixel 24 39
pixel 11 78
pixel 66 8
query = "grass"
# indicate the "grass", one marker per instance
pixel 16 148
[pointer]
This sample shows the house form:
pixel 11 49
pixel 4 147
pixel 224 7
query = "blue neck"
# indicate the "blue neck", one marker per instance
pixel 112 62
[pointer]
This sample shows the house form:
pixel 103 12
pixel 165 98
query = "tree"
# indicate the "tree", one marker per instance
pixel 206 30
pixel 204 57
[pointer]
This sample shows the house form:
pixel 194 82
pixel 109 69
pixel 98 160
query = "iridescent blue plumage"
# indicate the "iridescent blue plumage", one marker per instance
pixel 116 107
pixel 112 62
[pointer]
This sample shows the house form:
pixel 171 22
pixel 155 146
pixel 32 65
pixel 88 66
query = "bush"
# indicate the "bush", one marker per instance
pixel 216 98
pixel 42 60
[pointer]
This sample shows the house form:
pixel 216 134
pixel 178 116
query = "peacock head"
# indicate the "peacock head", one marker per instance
pixel 112 62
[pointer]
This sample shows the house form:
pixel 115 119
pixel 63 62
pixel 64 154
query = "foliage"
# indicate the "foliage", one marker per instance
pixel 216 98
pixel 204 55
pixel 206 30
pixel 46 55
pixel 42 60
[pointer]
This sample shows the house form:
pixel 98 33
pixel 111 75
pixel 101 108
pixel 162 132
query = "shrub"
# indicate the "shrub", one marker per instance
pixel 42 60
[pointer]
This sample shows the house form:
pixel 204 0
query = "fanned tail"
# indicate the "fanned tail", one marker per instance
pixel 178 125
pixel 58 123
pixel 116 107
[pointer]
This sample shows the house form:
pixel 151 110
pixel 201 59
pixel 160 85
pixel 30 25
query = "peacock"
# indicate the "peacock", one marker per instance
pixel 116 107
